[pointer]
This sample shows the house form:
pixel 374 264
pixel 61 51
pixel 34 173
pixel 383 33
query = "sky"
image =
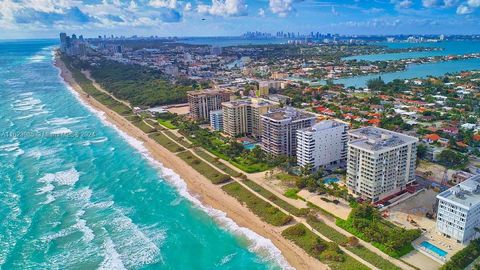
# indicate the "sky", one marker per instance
pixel 46 18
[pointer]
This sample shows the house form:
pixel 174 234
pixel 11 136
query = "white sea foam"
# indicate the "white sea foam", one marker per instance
pixel 28 116
pixel 63 178
pixel 111 257
pixel 45 189
pixel 10 147
pixel 137 246
pixel 27 104
pixel 26 94
pixel 226 259
pixel 38 152
pixel 259 244
pixel 60 131
pixel 81 225
pixel 176 202
pixel 95 141
pixel 50 198
pixel 60 121
pixel 82 194
pixel 37 58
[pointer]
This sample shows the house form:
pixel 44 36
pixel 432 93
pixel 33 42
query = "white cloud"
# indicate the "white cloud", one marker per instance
pixel 224 8
pixel 261 12
pixel 404 4
pixel 187 7
pixel 163 3
pixel 281 7
pixel 474 3
pixel 463 9
pixel 133 5
pixel 449 3
pixel 430 3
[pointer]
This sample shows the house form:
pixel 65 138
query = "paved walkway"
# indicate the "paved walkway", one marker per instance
pixel 296 218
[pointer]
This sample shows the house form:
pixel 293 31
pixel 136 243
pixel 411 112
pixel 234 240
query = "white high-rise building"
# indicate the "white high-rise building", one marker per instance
pixel 322 145
pixel 459 211
pixel 216 120
pixel 380 162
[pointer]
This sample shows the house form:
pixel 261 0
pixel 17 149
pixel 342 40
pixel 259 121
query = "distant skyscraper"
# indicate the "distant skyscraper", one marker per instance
pixel 63 42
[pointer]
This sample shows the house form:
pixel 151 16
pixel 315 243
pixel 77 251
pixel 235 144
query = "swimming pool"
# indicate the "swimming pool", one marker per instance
pixel 330 180
pixel 248 145
pixel 440 252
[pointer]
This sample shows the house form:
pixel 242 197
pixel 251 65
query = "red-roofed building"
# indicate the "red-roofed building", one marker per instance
pixel 324 110
pixel 451 130
pixel 461 144
pixel 375 122
pixel 431 138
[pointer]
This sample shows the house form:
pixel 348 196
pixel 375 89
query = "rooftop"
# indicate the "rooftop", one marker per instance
pixel 466 193
pixel 254 102
pixel 377 139
pixel 323 125
pixel 288 113
pixel 206 92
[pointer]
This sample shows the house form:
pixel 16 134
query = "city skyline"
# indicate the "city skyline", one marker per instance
pixel 45 18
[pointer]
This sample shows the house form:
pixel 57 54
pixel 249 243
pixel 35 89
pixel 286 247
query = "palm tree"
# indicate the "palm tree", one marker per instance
pixel 306 170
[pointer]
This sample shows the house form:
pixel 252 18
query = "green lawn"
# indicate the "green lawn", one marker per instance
pixel 216 162
pixel 138 122
pixel 272 197
pixel 326 252
pixel 288 178
pixel 259 207
pixel 167 123
pixel 292 193
pixel 179 140
pixel 397 253
pixel 203 168
pixel 341 239
pixel 166 142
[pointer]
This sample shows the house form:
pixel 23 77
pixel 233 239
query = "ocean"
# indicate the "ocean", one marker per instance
pixel 77 193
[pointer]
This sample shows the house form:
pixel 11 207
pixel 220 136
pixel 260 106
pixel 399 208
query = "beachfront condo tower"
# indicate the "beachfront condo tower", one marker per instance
pixel 242 117
pixel 380 162
pixel 322 145
pixel 216 120
pixel 279 134
pixel 204 101
pixel 458 211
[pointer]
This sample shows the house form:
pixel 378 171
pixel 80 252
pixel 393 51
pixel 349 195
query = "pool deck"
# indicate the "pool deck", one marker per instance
pixel 415 209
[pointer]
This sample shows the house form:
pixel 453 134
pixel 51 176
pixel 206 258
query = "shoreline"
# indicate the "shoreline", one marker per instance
pixel 223 208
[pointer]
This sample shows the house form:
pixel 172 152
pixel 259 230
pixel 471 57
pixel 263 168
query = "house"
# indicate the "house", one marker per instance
pixel 451 130
pixel 431 138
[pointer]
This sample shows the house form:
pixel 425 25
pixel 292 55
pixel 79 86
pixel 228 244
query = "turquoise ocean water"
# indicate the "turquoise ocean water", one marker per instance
pixel 92 198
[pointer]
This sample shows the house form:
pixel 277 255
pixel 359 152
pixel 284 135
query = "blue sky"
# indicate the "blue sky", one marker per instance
pixel 45 18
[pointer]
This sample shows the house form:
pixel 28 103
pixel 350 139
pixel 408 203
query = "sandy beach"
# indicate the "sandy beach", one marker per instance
pixel 208 193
